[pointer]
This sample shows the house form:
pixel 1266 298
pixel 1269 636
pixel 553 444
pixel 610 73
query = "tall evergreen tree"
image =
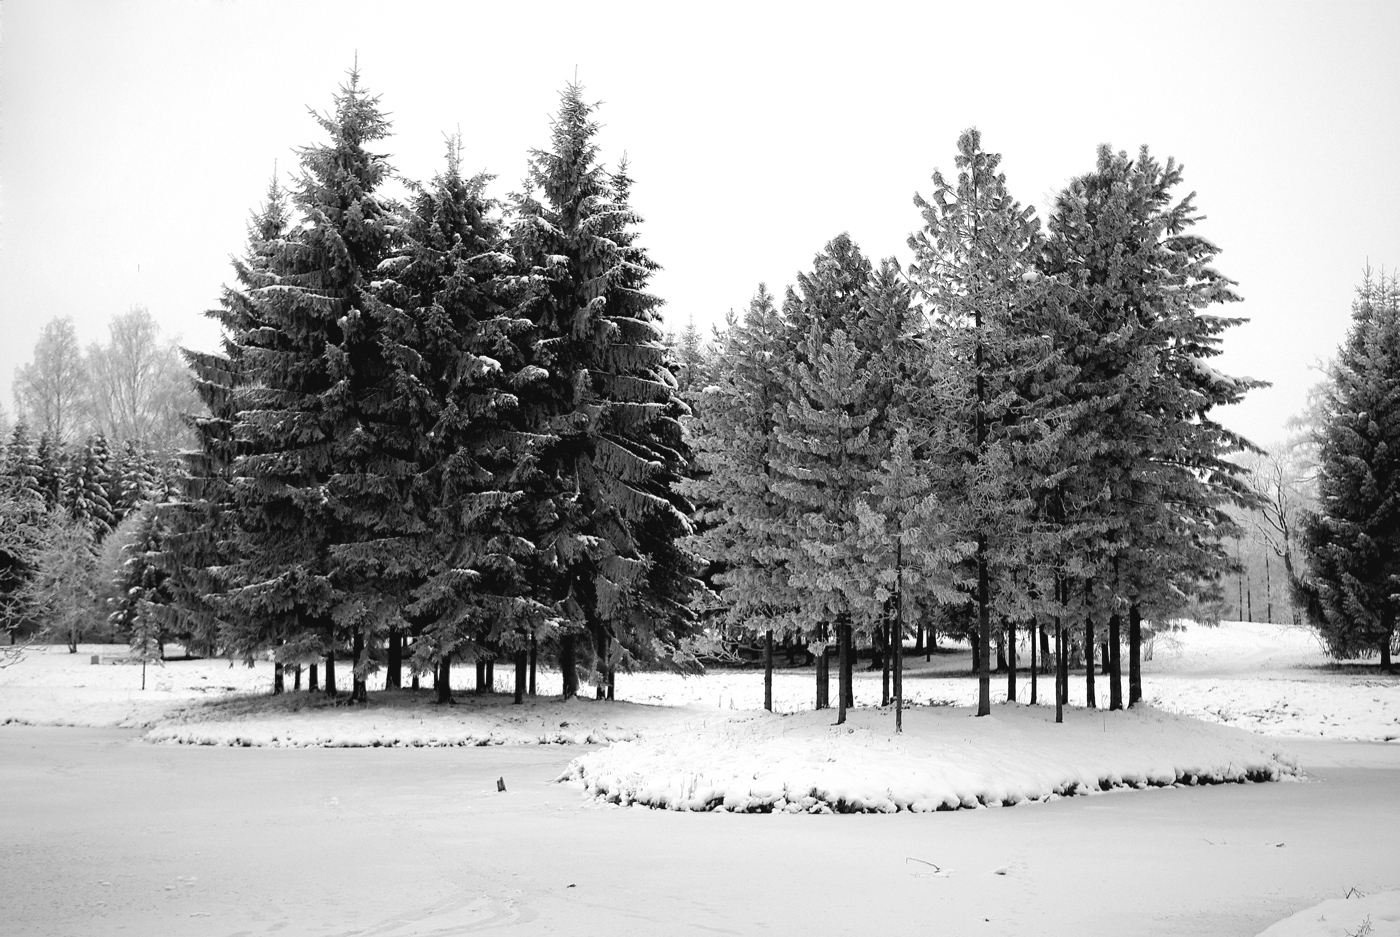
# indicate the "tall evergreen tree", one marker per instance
pixel 85 495
pixel 310 368
pixel 1351 589
pixel 971 264
pixel 610 535
pixel 450 332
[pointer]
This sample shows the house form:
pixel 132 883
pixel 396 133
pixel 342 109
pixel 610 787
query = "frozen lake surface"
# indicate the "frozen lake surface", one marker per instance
pixel 105 834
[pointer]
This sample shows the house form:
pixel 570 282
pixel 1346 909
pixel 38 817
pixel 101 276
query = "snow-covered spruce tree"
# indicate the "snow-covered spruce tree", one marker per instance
pixel 141 590
pixel 22 461
pixel 973 271
pixel 445 308
pixel 53 470
pixel 1138 335
pixel 739 519
pixel 1351 543
pixel 307 494
pixel 609 527
pixel 85 494
pixel 827 298
pixel 822 471
pixel 201 530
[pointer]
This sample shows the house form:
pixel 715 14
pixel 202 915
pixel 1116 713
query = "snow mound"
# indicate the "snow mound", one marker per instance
pixel 945 759
pixel 1375 915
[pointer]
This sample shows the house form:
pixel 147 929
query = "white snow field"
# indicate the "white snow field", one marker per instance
pixel 1350 916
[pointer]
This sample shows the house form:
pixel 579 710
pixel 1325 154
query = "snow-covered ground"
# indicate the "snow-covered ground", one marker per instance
pixel 945 759
pixel 1272 680
pixel 1355 915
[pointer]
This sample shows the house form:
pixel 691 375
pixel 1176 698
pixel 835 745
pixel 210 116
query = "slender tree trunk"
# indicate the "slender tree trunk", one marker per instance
pixel 1134 654
pixel 1093 702
pixel 359 692
pixel 1011 660
pixel 278 684
pixel 296 678
pixel 1386 666
pixel 976 654
pixel 823 677
pixel 842 662
pixel 768 670
pixel 442 681
pixel 1249 598
pixel 480 676
pixel 1115 662
pixel 919 638
pixel 567 668
pixel 1061 672
pixel 490 675
pixel 534 656
pixel 984 621
pixel 885 665
pixel 1045 650
pixel 521 664
pixel 1268 591
pixel 999 636
pixel 312 683
pixel 849 669
pixel 393 671
pixel 612 680
pixel 330 674
pixel 1035 664
pixel 898 640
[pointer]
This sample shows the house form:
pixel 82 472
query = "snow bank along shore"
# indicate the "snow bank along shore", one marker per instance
pixel 945 759
pixel 1376 915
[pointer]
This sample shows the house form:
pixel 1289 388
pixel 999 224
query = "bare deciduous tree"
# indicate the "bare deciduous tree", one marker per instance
pixel 50 389
pixel 138 387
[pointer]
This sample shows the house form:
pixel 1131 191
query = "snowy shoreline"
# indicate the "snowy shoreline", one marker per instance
pixel 946 759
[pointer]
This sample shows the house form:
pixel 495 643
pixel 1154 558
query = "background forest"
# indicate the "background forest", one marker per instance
pixel 444 428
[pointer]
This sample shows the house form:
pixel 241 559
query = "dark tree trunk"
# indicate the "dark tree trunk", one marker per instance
pixel 1385 654
pixel 359 693
pixel 984 626
pixel 312 683
pixel 1104 669
pixel 278 684
pixel 1060 672
pixel 824 678
pixel 480 676
pixel 330 674
pixel 1115 661
pixel 1035 664
pixel 1134 654
pixel 442 681
pixel 848 687
pixel 567 668
pixel 521 664
pixel 534 656
pixel 1001 647
pixel 393 671
pixel 899 668
pixel 768 670
pixel 1092 699
pixel 790 646
pixel 1045 650
pixel 1011 660
pixel 296 678
pixel 976 654
pixel 842 669
pixel 919 638
pixel 885 665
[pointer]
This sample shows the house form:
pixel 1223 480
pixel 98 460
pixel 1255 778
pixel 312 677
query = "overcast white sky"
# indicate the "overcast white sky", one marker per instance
pixel 135 137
